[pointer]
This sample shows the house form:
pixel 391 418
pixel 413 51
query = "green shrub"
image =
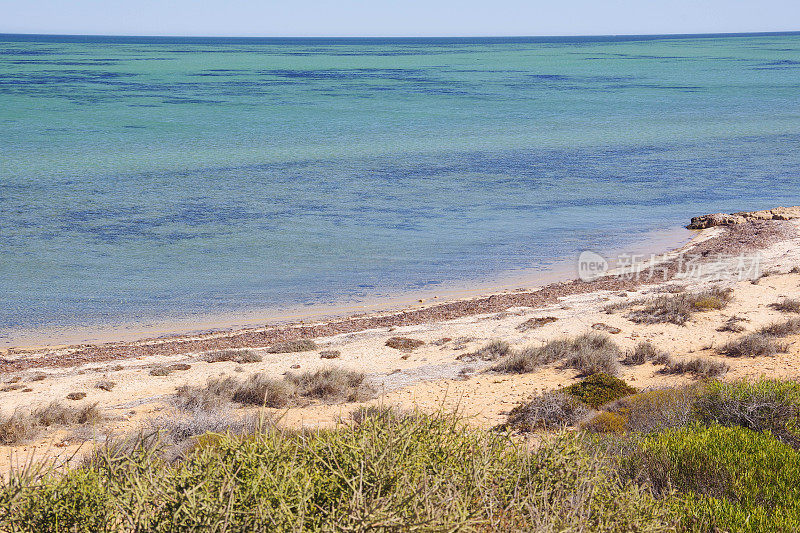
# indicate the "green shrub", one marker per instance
pixel 764 405
pixel 605 422
pixel 733 479
pixel 385 474
pixel 656 410
pixel 599 389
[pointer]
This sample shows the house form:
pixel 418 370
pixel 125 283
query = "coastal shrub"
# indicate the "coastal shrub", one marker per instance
pixel 593 353
pixel 24 424
pixel 729 478
pixel 589 353
pixel 781 329
pixel 215 393
pixel 656 410
pixel 300 345
pixel 404 344
pixel 679 308
pixel 414 473
pixel 643 351
pixel 326 385
pixel 599 389
pixel 787 305
pixel 259 389
pixel 536 322
pixel 700 367
pixel 764 405
pixel 753 345
pixel 332 385
pixel 548 410
pixel 605 422
pixel 238 356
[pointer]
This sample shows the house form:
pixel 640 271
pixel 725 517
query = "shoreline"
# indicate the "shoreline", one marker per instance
pixel 730 239
pixel 656 242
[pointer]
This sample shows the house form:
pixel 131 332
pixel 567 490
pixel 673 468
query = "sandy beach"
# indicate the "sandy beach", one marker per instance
pixel 442 372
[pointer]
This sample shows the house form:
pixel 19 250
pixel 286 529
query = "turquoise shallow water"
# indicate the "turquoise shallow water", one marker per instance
pixel 146 179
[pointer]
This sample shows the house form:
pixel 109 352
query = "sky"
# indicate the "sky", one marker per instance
pixel 332 18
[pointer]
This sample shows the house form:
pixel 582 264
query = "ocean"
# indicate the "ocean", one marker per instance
pixel 150 180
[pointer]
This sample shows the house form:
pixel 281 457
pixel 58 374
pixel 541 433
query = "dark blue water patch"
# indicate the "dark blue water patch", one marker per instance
pixel 782 64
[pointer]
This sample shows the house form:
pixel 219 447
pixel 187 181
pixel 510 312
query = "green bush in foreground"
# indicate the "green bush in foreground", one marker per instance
pixel 387 473
pixel 732 478
pixel 599 389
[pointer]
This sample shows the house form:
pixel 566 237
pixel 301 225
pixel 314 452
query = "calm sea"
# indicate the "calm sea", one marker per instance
pixel 150 179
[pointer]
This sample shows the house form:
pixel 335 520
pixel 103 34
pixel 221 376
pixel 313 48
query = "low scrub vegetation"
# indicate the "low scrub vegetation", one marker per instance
pixel 25 424
pixel 599 389
pixel 549 410
pixel 300 345
pixel 711 457
pixel 331 385
pixel 753 345
pixel 237 356
pixel 700 367
pixel 643 351
pixel 589 354
pixel 679 308
pixel 787 305
pixel 781 329
pixel 404 344
pixel 386 473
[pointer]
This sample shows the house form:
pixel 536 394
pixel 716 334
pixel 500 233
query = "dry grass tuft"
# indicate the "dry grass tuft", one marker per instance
pixel 301 345
pixel 493 351
pixel 679 308
pixel 701 367
pixel 781 329
pixel 237 356
pixel 105 384
pixel 24 424
pixel 259 389
pixel 537 322
pixel 593 353
pixel 331 385
pixel 642 352
pixel 733 324
pixel 589 354
pixel 550 410
pixel 166 370
pixel 763 342
pixel 216 393
pixel 404 344
pixel 753 345
pixel 788 305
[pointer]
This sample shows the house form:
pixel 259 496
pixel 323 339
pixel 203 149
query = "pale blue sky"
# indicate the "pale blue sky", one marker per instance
pixel 395 17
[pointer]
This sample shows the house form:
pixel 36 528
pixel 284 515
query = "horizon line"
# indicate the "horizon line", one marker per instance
pixel 409 37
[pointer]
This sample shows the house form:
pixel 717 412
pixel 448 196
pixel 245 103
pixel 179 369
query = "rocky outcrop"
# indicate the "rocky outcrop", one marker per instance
pixel 722 219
